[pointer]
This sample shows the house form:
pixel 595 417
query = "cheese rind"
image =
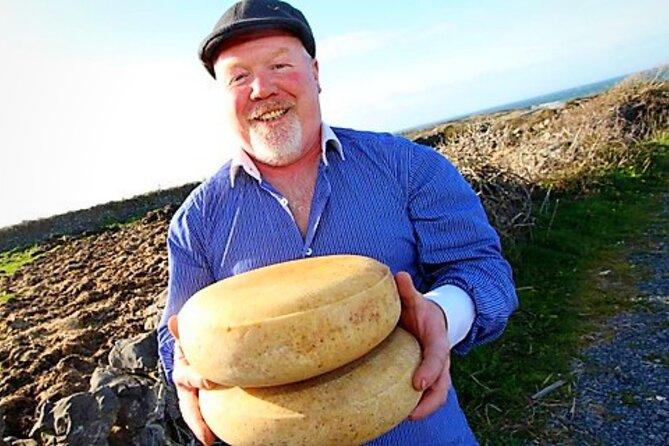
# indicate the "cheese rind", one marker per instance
pixel 347 406
pixel 290 321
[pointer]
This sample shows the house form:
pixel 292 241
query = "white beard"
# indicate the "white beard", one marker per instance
pixel 277 146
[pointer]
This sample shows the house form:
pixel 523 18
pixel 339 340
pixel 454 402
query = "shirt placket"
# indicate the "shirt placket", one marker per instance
pixel 321 195
pixel 283 201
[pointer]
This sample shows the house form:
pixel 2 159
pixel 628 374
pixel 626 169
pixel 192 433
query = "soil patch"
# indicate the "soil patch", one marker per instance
pixel 70 305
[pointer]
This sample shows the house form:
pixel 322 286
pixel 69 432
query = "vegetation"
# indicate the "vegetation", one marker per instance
pixel 570 272
pixel 512 157
pixel 10 261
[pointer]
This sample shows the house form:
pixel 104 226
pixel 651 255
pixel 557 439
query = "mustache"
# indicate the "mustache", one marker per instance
pixel 270 105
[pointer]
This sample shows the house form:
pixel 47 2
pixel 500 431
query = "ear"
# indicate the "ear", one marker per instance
pixel 314 68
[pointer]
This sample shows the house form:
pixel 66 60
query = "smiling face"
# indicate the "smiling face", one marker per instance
pixel 270 86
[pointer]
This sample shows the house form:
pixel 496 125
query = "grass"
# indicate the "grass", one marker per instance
pixel 5 297
pixel 10 261
pixel 571 272
pixel 114 225
pixel 507 156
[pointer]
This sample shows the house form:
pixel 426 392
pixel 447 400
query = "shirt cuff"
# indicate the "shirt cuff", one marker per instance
pixel 458 308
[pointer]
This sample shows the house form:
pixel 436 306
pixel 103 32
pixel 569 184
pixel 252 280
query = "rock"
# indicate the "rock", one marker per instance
pixel 150 435
pixel 18 415
pixel 82 419
pixel 138 396
pixel 13 441
pixel 167 399
pixel 17 323
pixel 44 420
pixel 108 404
pixel 102 376
pixel 138 354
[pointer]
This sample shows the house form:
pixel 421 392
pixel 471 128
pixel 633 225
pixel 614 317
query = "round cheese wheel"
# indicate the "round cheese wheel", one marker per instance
pixel 348 406
pixel 289 321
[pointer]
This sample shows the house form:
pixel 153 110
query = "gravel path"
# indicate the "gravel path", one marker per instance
pixel 622 386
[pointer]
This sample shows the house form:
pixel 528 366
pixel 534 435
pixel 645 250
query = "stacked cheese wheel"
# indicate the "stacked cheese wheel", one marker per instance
pixel 306 353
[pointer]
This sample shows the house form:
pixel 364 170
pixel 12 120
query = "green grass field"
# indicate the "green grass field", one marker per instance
pixel 558 268
pixel 10 261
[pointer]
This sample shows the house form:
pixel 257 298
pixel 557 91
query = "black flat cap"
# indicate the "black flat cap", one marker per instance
pixel 254 15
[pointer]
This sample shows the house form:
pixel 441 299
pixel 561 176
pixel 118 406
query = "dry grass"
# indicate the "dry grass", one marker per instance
pixel 512 157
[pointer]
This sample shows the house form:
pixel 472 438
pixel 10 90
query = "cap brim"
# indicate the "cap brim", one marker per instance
pixel 213 43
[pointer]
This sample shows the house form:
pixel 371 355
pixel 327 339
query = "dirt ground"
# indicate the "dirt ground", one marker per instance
pixel 69 307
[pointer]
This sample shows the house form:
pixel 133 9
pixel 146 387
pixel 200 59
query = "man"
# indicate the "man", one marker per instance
pixel 298 188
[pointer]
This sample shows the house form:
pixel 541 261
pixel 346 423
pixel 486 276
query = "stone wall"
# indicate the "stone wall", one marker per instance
pixel 89 220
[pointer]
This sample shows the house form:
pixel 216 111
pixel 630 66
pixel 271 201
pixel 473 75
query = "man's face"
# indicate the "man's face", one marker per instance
pixel 270 86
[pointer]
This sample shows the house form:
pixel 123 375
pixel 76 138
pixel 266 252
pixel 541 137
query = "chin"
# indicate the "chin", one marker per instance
pixel 277 146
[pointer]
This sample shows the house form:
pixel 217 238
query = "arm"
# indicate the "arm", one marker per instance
pixel 188 272
pixel 472 294
pixel 458 247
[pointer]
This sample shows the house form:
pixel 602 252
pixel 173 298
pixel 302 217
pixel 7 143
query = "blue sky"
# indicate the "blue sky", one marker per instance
pixel 107 100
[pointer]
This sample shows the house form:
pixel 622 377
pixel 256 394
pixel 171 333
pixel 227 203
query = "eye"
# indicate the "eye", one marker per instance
pixel 237 78
pixel 280 66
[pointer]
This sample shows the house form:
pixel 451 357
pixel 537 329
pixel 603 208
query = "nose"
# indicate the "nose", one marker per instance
pixel 262 87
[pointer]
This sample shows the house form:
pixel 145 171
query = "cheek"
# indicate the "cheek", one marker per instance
pixel 235 104
pixel 298 83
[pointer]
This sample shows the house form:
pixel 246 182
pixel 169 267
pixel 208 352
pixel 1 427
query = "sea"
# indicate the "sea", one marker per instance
pixel 550 98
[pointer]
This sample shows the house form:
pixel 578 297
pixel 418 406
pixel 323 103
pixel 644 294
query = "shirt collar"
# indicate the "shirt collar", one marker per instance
pixel 242 159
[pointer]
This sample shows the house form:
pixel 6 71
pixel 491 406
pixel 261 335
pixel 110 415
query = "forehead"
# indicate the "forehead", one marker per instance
pixel 257 43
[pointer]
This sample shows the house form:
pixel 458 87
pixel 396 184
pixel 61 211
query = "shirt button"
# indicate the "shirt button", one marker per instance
pixel 284 201
pixel 308 252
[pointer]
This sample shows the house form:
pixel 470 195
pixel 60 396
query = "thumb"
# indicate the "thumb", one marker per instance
pixel 173 326
pixel 409 295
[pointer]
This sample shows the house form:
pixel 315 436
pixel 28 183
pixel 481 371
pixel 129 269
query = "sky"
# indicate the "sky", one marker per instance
pixel 106 100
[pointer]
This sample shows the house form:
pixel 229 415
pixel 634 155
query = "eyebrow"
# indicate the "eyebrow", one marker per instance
pixel 279 52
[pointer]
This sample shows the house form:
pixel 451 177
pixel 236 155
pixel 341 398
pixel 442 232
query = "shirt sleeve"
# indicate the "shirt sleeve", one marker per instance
pixel 456 244
pixel 189 271
pixel 458 310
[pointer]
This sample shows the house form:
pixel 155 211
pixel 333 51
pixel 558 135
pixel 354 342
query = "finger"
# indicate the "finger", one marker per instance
pixel 173 326
pixel 436 359
pixel 190 411
pixel 409 296
pixel 185 375
pixel 433 398
pixel 436 352
pixel 179 353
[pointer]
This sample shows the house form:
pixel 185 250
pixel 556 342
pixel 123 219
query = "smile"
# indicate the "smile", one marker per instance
pixel 271 115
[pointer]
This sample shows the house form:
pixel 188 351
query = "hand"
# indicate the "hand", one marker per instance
pixel 426 321
pixel 188 382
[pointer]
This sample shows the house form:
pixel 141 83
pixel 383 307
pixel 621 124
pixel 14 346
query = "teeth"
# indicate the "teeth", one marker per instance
pixel 271 115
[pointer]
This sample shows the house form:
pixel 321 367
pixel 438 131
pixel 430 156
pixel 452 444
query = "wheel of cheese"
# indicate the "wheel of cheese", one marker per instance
pixel 348 406
pixel 290 321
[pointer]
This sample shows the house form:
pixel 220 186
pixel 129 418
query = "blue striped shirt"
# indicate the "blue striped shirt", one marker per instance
pixel 376 195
